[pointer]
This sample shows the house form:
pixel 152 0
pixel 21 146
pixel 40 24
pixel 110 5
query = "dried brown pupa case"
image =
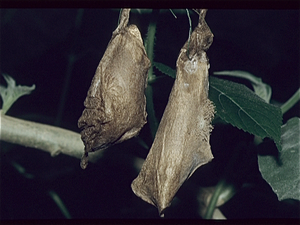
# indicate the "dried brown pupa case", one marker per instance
pixel 181 144
pixel 115 106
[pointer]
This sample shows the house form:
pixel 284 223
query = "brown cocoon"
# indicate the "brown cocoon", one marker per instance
pixel 115 106
pixel 181 144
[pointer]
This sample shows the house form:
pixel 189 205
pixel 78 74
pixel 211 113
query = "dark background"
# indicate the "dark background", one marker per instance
pixel 35 47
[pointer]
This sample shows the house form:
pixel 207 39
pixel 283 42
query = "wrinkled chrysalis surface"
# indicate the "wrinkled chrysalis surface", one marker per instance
pixel 181 144
pixel 115 106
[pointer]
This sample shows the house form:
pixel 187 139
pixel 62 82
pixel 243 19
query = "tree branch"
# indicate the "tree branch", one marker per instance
pixel 48 138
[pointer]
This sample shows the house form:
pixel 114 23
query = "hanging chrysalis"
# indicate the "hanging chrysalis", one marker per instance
pixel 115 106
pixel 181 144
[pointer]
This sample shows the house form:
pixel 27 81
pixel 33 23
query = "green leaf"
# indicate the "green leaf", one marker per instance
pixel 238 105
pixel 12 92
pixel 284 177
pixel 260 88
pixel 165 69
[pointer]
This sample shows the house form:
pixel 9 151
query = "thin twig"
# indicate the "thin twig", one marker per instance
pixel 48 138
pixel 153 123
pixel 291 102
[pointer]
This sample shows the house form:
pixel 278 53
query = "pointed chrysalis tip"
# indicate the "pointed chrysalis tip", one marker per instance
pixel 161 210
pixel 161 213
pixel 84 161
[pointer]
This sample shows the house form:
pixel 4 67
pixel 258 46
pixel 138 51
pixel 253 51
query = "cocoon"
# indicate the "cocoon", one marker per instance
pixel 181 144
pixel 115 106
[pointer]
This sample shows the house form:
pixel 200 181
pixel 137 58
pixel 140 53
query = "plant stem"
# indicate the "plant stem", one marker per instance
pixel 223 186
pixel 214 199
pixel 153 123
pixel 291 102
pixel 71 61
pixel 48 138
pixel 150 42
pixel 62 102
pixel 60 204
